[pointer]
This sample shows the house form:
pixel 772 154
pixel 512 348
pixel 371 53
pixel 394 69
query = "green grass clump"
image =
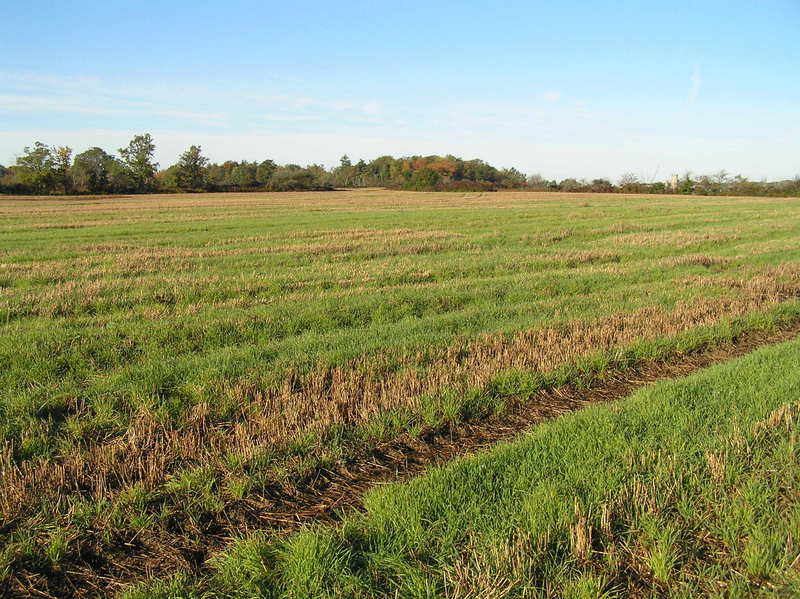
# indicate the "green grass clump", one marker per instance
pixel 688 488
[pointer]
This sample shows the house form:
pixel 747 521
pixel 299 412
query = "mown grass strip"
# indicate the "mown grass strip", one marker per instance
pixel 688 488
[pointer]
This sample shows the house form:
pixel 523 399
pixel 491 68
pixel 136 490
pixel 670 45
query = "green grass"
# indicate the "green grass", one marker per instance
pixel 180 356
pixel 688 488
pixel 162 305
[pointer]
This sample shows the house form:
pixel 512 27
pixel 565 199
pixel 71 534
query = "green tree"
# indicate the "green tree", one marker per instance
pixel 62 163
pixel 138 161
pixel 571 184
pixel 511 177
pixel 92 169
pixel 424 179
pixel 322 178
pixel 265 171
pixel 291 178
pixel 190 173
pixel 243 175
pixel 478 170
pixel 35 168
pixel 601 186
pixel 686 185
pixel 119 177
pixel 169 178
pixel 6 178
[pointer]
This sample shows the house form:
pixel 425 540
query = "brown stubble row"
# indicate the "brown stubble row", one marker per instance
pixel 222 206
pixel 271 418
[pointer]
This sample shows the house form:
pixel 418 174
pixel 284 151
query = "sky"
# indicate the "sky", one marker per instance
pixel 561 89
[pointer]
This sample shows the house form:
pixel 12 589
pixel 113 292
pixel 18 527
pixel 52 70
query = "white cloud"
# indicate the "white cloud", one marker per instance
pixel 552 96
pixel 43 93
pixel 304 102
pixel 371 108
pixel 290 118
pixel 196 107
pixel 75 104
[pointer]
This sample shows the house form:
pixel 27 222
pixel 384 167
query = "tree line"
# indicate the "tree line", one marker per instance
pixel 43 169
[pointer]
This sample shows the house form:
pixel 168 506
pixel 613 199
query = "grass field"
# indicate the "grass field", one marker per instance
pixel 690 488
pixel 170 365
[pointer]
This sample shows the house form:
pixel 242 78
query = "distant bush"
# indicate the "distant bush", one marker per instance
pixel 293 178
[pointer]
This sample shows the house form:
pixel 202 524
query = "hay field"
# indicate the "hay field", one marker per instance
pixel 170 365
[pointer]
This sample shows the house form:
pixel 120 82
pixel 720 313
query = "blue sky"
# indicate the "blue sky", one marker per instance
pixel 584 89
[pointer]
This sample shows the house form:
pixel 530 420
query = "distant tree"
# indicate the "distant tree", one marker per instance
pixel 264 171
pixel 138 160
pixel 629 183
pixel 703 186
pixel 190 172
pixel 380 170
pixel 292 178
pixel 6 178
pixel 686 184
pixel 345 175
pixel 91 170
pixel 537 182
pixel 119 177
pixel 478 170
pixel 243 175
pixel 424 179
pixel 361 172
pixel 720 177
pixel 215 176
pixel 62 163
pixel 511 177
pixel 739 185
pixel 601 186
pixel 34 169
pixel 322 178
pixel 570 184
pixel 169 178
pixel 220 175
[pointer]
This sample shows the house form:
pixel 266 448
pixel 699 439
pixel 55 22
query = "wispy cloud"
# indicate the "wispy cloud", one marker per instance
pixel 290 118
pixel 552 96
pixel 371 108
pixel 697 83
pixel 196 107
pixel 51 94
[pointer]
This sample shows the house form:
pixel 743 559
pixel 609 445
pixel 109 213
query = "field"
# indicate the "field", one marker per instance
pixel 177 372
pixel 688 489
